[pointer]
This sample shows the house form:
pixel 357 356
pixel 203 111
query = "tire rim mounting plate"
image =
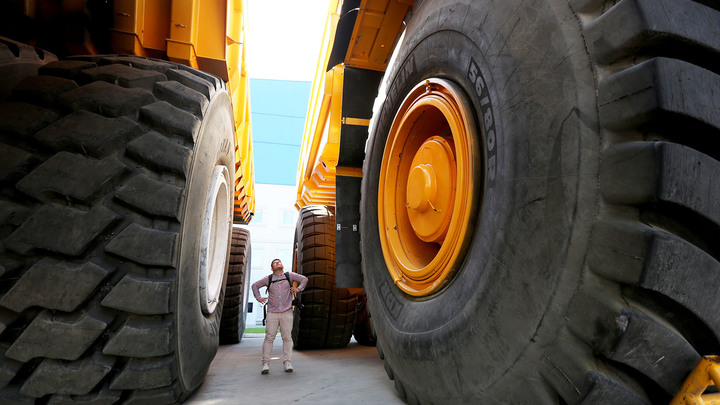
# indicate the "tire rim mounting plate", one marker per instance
pixel 214 240
pixel 426 178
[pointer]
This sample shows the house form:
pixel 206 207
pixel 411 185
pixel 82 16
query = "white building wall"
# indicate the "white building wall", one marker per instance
pixel 272 230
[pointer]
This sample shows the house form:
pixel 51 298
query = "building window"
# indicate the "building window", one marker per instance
pixel 258 258
pixel 288 218
pixel 257 218
pixel 286 256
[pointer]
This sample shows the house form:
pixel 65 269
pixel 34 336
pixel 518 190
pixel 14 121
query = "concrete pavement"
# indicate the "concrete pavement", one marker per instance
pixel 351 375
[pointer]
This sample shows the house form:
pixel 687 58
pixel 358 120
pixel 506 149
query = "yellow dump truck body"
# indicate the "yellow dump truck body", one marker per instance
pixel 378 25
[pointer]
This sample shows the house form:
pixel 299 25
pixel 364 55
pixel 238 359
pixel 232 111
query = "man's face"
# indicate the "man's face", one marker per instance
pixel 277 265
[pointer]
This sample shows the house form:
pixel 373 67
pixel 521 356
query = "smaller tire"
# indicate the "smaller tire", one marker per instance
pixel 232 324
pixel 328 314
pixel 363 332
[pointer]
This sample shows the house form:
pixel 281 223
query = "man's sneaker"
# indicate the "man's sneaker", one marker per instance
pixel 266 368
pixel 288 367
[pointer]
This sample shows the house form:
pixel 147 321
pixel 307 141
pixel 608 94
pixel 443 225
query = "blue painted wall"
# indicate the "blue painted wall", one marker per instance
pixel 278 109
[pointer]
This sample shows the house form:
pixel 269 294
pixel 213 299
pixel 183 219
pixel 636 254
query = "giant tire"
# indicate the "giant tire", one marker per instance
pixel 328 314
pixel 591 267
pixel 114 179
pixel 232 324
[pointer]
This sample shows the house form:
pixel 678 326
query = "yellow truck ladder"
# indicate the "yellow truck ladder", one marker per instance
pixel 705 374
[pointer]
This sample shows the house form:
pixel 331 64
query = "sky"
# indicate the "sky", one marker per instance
pixel 283 38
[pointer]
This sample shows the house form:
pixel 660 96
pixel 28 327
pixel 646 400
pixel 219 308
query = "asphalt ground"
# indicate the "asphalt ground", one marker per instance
pixel 350 375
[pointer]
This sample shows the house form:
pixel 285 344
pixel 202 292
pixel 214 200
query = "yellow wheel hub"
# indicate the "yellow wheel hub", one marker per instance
pixel 428 175
pixel 431 189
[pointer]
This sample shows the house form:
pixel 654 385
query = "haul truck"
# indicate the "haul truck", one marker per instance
pixel 121 177
pixel 525 191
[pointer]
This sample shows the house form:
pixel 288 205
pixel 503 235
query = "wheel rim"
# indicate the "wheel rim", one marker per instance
pixel 214 240
pixel 427 183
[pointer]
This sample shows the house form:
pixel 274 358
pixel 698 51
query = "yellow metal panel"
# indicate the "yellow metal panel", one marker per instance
pixel 309 179
pixel 182 22
pixel 364 33
pixel 234 41
pixel 155 27
pixel 331 142
pixel 126 43
pixel 182 52
pixel 126 15
pixel 322 156
pixel 183 31
pixel 378 25
pixel 387 35
pixel 211 21
pixel 355 121
pixel 375 5
pixel 373 19
pixel 140 25
pixel 127 20
pixel 348 171
pixel 199 35
pixel 235 70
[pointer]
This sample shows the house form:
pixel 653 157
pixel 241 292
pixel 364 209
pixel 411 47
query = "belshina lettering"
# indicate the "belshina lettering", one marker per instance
pixel 406 70
pixel 487 116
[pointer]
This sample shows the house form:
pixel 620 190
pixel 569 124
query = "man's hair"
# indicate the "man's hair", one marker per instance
pixel 273 262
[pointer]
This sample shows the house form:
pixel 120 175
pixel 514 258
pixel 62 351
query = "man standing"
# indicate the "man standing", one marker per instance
pixel 279 311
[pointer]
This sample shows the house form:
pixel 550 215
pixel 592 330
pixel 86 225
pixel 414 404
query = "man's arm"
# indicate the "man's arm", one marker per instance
pixel 301 280
pixel 263 282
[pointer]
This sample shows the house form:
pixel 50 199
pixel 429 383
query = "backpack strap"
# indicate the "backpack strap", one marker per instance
pixel 287 277
pixel 265 306
pixel 270 280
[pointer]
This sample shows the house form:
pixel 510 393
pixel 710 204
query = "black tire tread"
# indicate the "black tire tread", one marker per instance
pixel 123 75
pixel 109 338
pixel 232 324
pixel 659 73
pixel 680 29
pixel 328 316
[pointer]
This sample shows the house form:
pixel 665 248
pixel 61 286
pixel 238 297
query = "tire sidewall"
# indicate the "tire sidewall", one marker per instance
pixel 197 335
pixel 523 226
